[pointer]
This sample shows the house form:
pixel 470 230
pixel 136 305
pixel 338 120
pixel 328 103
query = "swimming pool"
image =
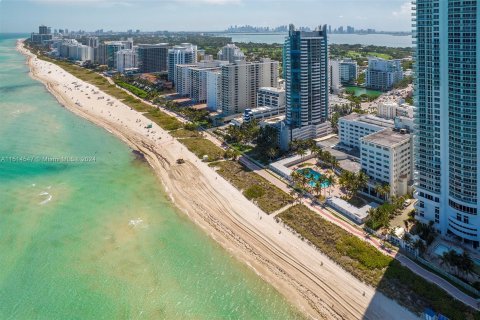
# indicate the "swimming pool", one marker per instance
pixel 440 249
pixel 314 175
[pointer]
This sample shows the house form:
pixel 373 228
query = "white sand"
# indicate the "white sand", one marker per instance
pixel 307 278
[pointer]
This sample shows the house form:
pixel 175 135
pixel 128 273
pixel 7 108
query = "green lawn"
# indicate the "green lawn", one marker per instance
pixel 371 266
pixel 268 197
pixel 380 55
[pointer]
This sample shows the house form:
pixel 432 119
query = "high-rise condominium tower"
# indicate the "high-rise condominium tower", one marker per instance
pixel 447 117
pixel 306 82
pixel 153 57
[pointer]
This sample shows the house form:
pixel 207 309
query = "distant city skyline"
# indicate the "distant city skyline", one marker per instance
pixel 201 15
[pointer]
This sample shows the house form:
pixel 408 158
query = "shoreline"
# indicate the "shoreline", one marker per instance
pixel 290 265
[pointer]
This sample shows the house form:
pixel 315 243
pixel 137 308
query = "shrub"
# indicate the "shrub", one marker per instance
pixel 254 192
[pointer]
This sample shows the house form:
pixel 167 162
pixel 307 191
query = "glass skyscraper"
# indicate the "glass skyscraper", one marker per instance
pixel 447 124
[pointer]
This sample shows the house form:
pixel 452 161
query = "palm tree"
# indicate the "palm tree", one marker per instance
pixel 295 177
pixel 383 190
pixel 271 153
pixel 301 152
pixel 360 181
pixel 318 153
pixel 331 180
pixel 420 246
pixel 321 181
pixel 465 263
pixel 317 188
pixel 304 180
pixel 334 163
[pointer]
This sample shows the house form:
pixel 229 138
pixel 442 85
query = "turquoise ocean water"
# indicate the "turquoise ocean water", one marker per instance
pixel 92 235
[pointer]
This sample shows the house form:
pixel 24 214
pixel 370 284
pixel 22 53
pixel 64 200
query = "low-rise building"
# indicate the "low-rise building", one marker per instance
pixel 353 127
pixel 390 110
pixel 386 157
pixel 358 215
pixel 271 97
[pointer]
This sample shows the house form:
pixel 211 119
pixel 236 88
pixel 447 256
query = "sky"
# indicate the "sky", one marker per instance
pixel 200 15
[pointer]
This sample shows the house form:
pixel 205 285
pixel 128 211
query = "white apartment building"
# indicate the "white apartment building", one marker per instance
pixel 240 82
pixel 348 71
pixel 191 79
pixel 390 110
pixel 271 97
pixel 447 99
pixel 73 50
pixel 386 156
pixel 383 74
pixel 342 72
pixel 230 53
pixel 186 53
pixel 353 127
pixel 334 69
pixel 213 89
pixel 126 59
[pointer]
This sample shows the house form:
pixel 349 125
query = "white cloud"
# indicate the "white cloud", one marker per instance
pixel 214 2
pixel 103 3
pixel 405 10
pixel 110 3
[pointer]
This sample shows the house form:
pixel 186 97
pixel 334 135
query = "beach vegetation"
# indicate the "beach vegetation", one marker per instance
pixel 183 133
pixel 268 197
pixel 135 90
pixel 203 147
pixel 371 266
pixel 254 192
pixel 164 120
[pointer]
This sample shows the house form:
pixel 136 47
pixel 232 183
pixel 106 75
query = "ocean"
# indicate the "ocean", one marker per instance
pixel 87 232
pixel 367 39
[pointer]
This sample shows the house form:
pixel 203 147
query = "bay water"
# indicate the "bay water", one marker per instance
pixel 86 231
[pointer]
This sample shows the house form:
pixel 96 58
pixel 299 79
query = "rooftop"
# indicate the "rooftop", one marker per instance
pixel 368 118
pixel 387 137
pixel 272 89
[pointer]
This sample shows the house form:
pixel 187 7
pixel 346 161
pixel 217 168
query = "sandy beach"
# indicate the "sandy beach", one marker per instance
pixel 314 284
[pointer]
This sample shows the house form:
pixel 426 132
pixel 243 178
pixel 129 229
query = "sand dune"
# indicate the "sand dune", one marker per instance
pixel 314 284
